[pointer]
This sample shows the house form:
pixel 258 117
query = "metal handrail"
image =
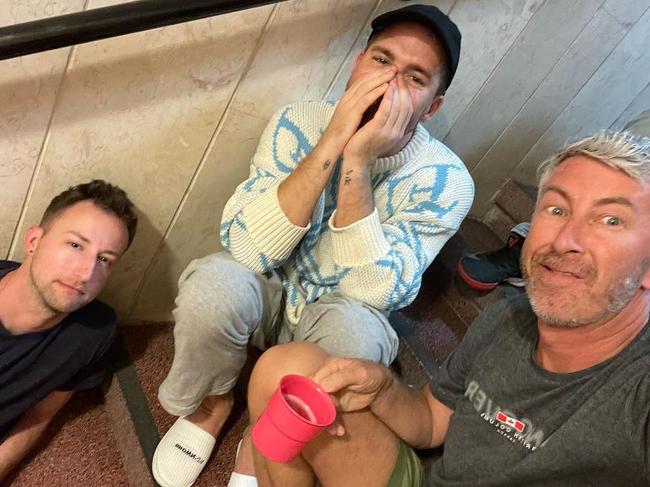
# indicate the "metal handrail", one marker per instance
pixel 101 23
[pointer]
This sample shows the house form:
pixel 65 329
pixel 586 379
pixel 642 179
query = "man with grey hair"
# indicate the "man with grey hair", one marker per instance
pixel 548 389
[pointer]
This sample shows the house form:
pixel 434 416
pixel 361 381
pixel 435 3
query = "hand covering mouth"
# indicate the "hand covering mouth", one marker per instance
pixel 370 111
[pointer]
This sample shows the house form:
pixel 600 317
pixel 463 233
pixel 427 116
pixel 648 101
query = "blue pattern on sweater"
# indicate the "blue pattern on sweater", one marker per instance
pixel 302 149
pixel 411 211
pixel 434 192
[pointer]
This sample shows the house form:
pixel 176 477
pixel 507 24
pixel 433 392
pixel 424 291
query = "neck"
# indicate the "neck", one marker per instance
pixel 22 309
pixel 568 350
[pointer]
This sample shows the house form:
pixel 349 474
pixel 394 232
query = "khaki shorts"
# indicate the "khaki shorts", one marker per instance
pixel 408 471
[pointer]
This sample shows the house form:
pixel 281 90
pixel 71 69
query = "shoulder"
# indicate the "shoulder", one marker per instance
pixel 512 310
pixel 504 318
pixel 638 365
pixel 293 130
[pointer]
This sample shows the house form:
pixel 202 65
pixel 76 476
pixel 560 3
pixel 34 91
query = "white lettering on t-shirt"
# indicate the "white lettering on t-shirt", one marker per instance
pixel 530 437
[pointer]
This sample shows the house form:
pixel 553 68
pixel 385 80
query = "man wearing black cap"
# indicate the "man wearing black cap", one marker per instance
pixel 345 207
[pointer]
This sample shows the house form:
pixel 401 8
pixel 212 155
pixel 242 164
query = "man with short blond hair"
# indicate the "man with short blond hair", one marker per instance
pixel 54 334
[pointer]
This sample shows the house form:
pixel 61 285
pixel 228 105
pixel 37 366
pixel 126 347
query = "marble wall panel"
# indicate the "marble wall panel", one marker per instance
pixel 28 88
pixel 173 115
pixel 139 110
pixel 489 30
pixel 299 56
pixel 627 12
pixel 582 58
pixel 616 84
pixel 640 104
pixel 535 52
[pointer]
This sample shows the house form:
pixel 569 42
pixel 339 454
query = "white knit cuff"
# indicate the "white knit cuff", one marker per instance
pixel 270 229
pixel 359 243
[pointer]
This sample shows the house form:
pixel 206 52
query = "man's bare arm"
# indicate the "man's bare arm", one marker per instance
pixel 414 415
pixel 29 428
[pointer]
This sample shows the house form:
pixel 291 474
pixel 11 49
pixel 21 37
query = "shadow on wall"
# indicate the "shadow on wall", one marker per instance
pixel 155 302
pixel 126 270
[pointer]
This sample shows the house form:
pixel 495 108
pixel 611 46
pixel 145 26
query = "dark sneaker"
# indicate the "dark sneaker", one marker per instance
pixel 486 270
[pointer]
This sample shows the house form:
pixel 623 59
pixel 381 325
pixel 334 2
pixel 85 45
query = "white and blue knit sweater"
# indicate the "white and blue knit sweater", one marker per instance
pixel 421 196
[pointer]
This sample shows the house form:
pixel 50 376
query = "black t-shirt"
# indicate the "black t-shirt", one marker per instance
pixel 516 424
pixel 67 357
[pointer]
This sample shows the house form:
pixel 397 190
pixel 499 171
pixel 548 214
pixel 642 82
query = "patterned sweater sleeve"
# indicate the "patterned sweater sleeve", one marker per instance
pixel 381 263
pixel 254 229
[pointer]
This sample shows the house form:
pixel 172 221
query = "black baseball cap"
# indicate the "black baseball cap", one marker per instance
pixel 442 26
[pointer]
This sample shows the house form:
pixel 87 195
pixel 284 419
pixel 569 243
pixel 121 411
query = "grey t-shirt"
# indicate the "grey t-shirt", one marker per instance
pixel 515 424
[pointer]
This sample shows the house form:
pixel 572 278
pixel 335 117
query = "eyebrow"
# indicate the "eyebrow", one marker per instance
pixel 85 240
pixel 79 236
pixel 410 67
pixel 611 200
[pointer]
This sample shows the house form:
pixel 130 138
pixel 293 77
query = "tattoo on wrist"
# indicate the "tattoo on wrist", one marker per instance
pixel 327 164
pixel 347 176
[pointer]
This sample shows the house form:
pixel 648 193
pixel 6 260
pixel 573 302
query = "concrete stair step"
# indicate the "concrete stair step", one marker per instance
pixel 435 323
pixel 513 203
pixel 517 200
pixel 441 280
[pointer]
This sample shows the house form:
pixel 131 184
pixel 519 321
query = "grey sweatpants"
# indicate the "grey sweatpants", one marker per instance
pixel 222 306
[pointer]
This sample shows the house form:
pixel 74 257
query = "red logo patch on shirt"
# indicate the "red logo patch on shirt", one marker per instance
pixel 507 420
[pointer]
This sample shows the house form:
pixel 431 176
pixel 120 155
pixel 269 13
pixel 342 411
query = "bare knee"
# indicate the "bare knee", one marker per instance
pixel 301 358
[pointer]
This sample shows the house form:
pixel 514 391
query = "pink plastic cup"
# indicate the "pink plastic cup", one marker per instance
pixel 297 412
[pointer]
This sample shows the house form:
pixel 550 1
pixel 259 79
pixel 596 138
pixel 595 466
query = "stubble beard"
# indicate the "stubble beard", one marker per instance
pixel 577 308
pixel 48 299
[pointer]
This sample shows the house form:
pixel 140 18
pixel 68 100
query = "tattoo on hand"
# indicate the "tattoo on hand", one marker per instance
pixel 327 164
pixel 347 177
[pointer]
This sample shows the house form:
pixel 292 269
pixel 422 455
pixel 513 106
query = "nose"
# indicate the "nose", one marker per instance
pixel 85 268
pixel 569 237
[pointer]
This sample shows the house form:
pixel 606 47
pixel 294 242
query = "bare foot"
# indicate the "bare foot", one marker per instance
pixel 212 413
pixel 244 461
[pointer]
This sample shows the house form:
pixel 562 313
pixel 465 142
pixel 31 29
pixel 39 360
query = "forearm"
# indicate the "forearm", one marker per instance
pixel 299 192
pixel 28 429
pixel 405 411
pixel 355 199
pixel 19 442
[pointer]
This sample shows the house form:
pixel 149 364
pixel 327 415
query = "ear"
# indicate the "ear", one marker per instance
pixel 32 238
pixel 436 104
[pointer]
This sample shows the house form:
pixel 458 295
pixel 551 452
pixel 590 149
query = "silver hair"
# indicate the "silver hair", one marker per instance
pixel 619 150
